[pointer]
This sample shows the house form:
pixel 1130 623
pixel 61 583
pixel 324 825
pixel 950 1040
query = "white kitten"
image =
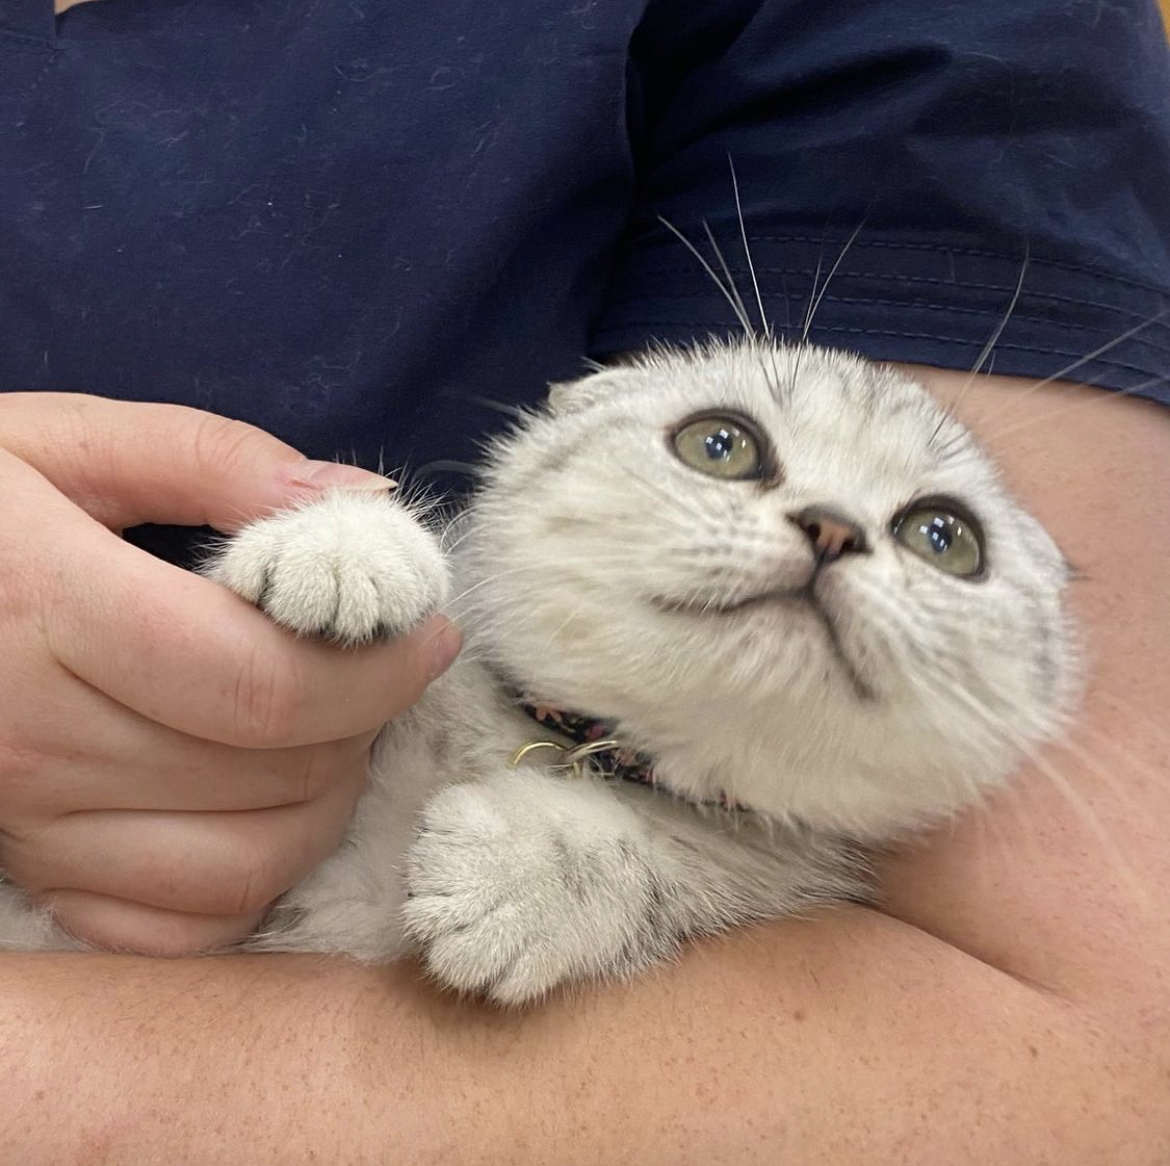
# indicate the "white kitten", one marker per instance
pixel 782 575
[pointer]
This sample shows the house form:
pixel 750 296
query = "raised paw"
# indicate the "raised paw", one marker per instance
pixel 351 567
pixel 522 885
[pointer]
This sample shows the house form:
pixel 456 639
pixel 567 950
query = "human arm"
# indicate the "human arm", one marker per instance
pixel 1008 1005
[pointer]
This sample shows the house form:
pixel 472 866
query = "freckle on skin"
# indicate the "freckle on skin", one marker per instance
pixel 798 1015
pixel 1034 1050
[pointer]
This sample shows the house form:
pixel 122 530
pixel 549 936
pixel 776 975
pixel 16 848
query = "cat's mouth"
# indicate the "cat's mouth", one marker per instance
pixel 804 596
pixel 787 595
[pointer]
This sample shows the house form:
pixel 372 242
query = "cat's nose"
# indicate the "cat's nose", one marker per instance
pixel 831 534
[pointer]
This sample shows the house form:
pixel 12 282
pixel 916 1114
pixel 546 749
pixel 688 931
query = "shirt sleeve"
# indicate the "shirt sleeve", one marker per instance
pixel 912 173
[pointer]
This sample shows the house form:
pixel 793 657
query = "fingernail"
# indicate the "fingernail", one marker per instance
pixel 330 475
pixel 445 647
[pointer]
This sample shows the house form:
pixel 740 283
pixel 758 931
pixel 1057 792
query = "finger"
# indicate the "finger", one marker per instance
pixel 126 462
pixel 184 652
pixel 204 864
pixel 203 777
pixel 82 750
pixel 191 656
pixel 118 925
pixel 188 777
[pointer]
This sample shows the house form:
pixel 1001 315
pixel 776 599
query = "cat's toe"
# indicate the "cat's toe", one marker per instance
pixel 493 955
pixel 498 962
pixel 507 906
pixel 351 568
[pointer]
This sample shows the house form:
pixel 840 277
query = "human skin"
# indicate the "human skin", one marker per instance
pixel 1008 1004
pixel 170 761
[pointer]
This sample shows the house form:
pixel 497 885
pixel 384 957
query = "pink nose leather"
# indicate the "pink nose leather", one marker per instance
pixel 832 535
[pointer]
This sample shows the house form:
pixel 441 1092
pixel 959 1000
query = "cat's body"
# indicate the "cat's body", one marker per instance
pixel 784 575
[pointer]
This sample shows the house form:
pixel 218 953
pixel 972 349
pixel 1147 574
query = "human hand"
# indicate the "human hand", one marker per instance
pixel 170 761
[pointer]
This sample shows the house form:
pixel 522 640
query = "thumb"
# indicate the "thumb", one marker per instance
pixel 128 462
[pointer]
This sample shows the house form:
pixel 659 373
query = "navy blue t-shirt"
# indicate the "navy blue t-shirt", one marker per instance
pixel 356 223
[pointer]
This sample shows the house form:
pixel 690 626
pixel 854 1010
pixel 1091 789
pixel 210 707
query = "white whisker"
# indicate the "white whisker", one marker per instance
pixel 1098 398
pixel 988 348
pixel 1128 334
pixel 747 254
pixel 819 296
pixel 740 305
pixel 737 308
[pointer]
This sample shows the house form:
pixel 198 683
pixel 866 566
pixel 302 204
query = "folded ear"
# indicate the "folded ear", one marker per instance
pixel 602 380
pixel 575 396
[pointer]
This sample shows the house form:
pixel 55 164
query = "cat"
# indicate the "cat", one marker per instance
pixel 755 609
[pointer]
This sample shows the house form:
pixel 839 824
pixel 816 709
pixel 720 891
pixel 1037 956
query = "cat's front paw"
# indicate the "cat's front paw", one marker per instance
pixel 523 885
pixel 351 567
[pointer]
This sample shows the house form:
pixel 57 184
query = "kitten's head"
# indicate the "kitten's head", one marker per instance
pixel 786 573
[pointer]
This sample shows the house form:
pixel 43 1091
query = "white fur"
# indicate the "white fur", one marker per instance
pixel 594 568
pixel 350 568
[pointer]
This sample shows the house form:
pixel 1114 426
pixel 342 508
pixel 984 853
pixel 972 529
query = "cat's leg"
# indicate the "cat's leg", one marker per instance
pixel 351 567
pixel 529 881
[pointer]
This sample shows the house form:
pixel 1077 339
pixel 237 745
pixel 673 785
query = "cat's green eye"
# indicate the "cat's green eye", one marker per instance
pixel 724 446
pixel 944 536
